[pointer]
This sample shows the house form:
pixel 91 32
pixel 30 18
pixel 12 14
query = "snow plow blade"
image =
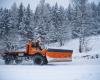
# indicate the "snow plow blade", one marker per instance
pixel 59 55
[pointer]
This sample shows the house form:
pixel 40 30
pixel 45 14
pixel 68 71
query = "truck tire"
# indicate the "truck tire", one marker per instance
pixel 9 60
pixel 39 59
pixel 18 61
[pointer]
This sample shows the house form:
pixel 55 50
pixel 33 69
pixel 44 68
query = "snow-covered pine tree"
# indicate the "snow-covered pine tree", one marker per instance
pixel 68 23
pixel 20 15
pixel 57 22
pixel 6 29
pixel 92 13
pixel 1 23
pixel 41 20
pixel 27 25
pixel 81 21
pixel 62 27
pixel 14 27
pixel 98 17
pixel 47 22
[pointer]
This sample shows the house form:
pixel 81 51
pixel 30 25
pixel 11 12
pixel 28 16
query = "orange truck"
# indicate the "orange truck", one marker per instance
pixel 38 56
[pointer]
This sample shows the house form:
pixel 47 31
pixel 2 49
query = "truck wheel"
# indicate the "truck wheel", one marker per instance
pixel 9 60
pixel 18 61
pixel 39 59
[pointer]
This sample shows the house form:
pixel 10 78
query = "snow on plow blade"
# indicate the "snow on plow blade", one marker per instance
pixel 59 55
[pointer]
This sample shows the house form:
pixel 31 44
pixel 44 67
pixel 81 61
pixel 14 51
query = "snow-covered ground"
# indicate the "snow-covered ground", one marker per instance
pixel 81 67
pixel 55 71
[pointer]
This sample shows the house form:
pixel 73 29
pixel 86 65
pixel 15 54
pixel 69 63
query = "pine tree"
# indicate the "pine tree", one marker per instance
pixel 27 24
pixel 61 26
pixel 20 15
pixel 47 23
pixel 14 26
pixel 1 23
pixel 98 17
pixel 56 22
pixel 68 23
pixel 81 21
pixel 6 29
pixel 39 19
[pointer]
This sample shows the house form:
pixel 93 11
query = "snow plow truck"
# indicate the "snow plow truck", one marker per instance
pixel 37 55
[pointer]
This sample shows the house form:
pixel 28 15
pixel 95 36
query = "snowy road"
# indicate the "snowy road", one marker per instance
pixel 51 71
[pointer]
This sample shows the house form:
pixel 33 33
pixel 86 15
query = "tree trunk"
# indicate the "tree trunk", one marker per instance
pixel 80 45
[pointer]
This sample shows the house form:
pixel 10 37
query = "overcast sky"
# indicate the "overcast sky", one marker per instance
pixel 33 3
